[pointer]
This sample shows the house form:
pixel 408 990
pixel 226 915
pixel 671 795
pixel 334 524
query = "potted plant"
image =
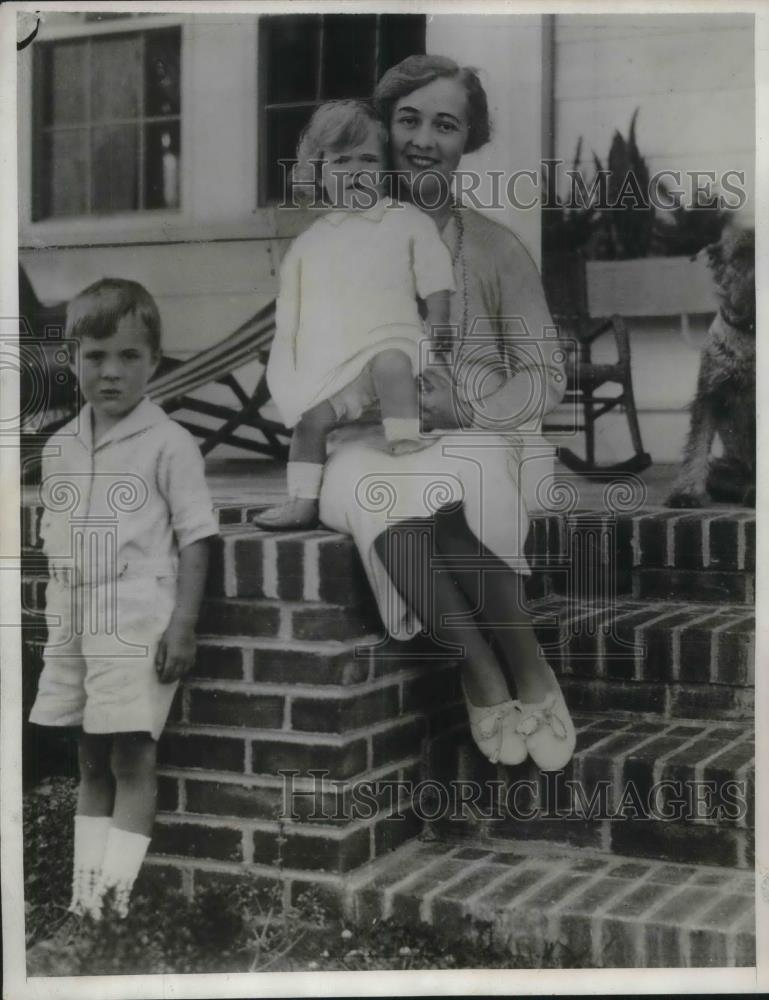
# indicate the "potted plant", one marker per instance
pixel 640 260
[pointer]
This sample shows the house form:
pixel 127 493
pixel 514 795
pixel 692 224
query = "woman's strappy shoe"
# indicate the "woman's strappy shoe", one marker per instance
pixel 547 731
pixel 494 730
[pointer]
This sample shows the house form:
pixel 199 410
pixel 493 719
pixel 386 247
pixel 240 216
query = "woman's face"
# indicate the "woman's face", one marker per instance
pixel 428 129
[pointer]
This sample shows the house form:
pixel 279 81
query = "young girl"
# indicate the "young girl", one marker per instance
pixel 348 325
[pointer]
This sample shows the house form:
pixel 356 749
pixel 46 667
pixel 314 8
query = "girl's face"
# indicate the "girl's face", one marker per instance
pixel 352 175
pixel 428 130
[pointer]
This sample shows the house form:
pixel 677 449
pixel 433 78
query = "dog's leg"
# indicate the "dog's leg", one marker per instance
pixel 689 489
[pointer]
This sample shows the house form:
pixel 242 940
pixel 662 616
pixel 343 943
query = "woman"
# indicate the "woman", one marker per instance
pixel 441 531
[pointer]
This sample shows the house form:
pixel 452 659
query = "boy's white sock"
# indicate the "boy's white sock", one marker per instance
pixel 401 428
pixel 122 862
pixel 304 480
pixel 90 842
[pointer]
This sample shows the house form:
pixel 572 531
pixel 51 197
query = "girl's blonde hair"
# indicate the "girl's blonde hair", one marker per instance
pixel 335 125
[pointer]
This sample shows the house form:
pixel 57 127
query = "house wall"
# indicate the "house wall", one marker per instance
pixel 594 58
pixel 692 78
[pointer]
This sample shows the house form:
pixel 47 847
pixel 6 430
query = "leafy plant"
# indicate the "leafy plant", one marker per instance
pixel 620 221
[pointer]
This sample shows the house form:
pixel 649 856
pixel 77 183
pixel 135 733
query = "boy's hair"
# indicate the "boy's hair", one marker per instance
pixel 334 125
pixel 97 310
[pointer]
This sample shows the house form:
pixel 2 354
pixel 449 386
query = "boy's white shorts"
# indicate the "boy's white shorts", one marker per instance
pixel 99 661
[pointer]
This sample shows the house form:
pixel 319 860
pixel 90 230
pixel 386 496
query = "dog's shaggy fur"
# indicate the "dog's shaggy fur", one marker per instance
pixel 725 402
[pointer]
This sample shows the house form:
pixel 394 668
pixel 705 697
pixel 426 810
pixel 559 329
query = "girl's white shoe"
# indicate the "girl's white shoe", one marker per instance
pixel 494 730
pixel 547 731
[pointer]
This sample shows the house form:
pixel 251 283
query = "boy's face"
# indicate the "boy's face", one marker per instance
pixel 114 371
pixel 351 176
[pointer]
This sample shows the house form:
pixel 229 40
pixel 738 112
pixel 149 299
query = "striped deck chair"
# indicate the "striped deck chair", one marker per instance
pixel 176 381
pixel 173 387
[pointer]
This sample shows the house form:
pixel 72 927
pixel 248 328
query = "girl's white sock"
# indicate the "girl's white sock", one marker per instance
pixel 304 480
pixel 123 859
pixel 90 843
pixel 401 428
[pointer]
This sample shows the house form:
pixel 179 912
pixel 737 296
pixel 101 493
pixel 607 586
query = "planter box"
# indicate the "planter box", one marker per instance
pixel 650 286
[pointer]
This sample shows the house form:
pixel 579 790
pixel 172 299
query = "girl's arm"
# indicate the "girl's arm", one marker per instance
pixel 283 360
pixel 176 651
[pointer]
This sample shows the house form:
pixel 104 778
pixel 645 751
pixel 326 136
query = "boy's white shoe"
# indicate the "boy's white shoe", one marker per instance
pixel 123 859
pixel 91 834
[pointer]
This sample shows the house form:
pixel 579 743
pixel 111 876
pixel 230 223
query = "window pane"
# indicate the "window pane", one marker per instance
pixel 400 35
pixel 292 46
pixel 162 72
pixel 283 128
pixel 114 159
pixel 64 173
pixel 115 77
pixel 348 55
pixel 162 174
pixel 66 83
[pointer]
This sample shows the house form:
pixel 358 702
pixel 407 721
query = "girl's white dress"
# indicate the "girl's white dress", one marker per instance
pixel 348 290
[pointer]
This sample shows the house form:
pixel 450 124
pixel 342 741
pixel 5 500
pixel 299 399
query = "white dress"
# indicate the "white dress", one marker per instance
pixel 348 290
pixel 502 466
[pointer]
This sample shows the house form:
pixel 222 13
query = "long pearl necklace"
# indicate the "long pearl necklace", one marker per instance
pixel 459 256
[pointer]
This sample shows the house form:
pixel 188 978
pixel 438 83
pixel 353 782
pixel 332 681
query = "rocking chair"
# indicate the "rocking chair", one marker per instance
pixel 564 279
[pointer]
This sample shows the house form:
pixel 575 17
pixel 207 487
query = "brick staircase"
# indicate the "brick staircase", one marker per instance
pixel 639 854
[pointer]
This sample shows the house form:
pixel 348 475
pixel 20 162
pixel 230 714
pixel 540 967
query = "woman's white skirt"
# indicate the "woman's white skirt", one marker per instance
pixel 498 479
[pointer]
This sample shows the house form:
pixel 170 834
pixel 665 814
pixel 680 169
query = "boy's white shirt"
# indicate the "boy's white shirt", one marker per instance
pixel 348 290
pixel 126 504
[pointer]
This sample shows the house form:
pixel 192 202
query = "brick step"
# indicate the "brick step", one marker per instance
pixel 313 566
pixel 585 908
pixel 649 787
pixel 674 659
pixel 657 554
pixel 706 555
pixel 282 619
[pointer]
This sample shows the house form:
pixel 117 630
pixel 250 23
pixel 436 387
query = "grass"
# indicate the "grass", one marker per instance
pixel 242 927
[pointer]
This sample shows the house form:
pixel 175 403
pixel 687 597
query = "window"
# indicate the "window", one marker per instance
pixel 107 124
pixel 306 59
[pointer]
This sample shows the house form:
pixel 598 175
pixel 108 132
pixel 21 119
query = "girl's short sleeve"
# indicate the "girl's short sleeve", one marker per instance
pixel 433 269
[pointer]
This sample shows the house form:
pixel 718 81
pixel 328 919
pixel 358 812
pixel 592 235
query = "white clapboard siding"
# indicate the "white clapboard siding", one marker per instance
pixel 690 75
pixel 653 286
pixel 655 64
pixel 204 290
pixel 580 27
pixel 668 124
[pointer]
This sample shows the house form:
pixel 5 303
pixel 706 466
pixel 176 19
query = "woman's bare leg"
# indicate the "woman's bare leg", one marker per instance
pixel 406 552
pixel 496 595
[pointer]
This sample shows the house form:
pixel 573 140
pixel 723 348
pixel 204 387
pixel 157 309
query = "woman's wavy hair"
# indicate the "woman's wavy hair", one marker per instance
pixel 417 71
pixel 335 125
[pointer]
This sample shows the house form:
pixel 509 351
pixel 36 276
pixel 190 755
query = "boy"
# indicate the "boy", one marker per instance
pixel 126 526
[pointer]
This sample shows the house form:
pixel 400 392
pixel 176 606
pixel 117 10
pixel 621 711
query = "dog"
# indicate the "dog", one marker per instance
pixel 725 401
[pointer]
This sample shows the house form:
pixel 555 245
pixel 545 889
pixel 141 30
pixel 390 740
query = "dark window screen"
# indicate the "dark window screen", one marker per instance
pixel 306 59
